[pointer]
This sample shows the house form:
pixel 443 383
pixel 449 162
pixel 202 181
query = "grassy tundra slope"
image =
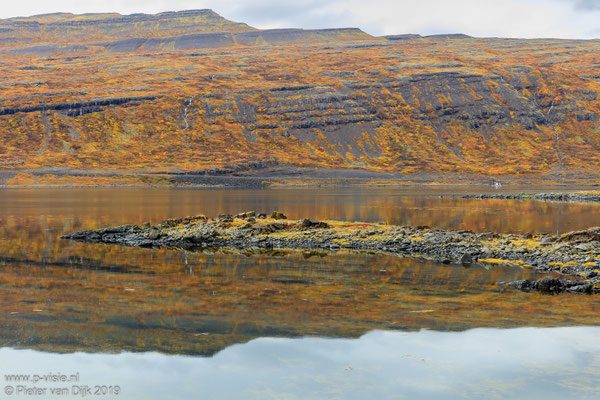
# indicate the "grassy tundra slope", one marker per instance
pixel 192 91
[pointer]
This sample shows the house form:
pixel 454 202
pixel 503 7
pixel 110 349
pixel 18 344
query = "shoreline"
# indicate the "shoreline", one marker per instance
pixel 280 175
pixel 358 185
pixel 574 254
pixel 546 196
pixel 579 196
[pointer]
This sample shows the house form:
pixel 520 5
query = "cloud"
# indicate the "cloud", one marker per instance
pixel 587 4
pixel 507 18
pixel 512 18
pixel 268 12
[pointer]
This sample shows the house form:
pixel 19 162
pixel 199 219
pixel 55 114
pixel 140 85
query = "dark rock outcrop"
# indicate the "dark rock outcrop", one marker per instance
pixel 278 215
pixel 309 223
pixel 550 285
pixel 80 108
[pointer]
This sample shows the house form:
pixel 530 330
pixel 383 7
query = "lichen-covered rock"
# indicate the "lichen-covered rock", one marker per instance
pixel 226 218
pixel 278 215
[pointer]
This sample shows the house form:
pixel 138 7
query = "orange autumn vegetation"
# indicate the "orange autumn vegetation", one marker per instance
pixel 45 180
pixel 479 106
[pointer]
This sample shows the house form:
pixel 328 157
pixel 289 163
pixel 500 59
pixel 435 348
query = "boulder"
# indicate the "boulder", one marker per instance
pixel 245 215
pixel 588 235
pixel 225 218
pixel 153 234
pixel 277 226
pixel 466 259
pixel 278 215
pixel 549 285
pixel 310 223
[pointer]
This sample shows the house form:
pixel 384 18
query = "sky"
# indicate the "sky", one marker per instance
pixel 481 18
pixel 477 363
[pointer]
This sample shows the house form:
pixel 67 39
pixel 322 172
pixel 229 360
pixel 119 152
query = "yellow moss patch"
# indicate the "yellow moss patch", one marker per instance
pixel 527 243
pixel 283 234
pixel 570 263
pixel 341 241
pixel 588 264
pixel 347 224
pixel 496 261
pixel 238 222
pixel 378 237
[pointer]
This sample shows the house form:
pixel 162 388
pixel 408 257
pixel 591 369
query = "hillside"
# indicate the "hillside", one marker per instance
pixel 192 91
pixel 66 28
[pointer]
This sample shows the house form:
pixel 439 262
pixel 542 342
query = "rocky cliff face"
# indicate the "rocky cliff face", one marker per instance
pixel 229 39
pixel 328 98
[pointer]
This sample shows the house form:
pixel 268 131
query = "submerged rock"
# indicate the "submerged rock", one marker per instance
pixel 551 285
pixel 84 236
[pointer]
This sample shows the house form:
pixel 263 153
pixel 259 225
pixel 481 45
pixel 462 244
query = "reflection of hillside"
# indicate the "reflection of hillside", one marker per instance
pixel 92 209
pixel 63 296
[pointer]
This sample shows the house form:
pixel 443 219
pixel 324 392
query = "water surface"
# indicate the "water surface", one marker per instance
pixel 63 297
pixel 524 363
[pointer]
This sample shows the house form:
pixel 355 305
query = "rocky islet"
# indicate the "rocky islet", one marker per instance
pixel 574 254
pixel 590 196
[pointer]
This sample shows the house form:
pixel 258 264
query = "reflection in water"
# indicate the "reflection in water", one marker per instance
pixel 198 303
pixel 63 296
pixel 525 363
pixel 437 207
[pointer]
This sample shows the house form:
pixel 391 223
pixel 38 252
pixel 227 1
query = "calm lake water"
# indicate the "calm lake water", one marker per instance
pixel 176 324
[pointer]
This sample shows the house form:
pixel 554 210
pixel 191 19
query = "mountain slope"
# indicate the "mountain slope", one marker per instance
pixel 325 98
pixel 66 28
